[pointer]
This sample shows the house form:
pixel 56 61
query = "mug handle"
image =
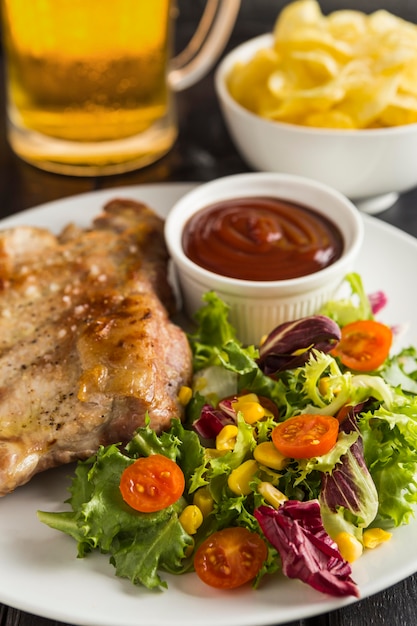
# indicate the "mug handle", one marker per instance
pixel 206 45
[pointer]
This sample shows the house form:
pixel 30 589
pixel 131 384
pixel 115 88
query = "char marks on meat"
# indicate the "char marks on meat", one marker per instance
pixel 87 347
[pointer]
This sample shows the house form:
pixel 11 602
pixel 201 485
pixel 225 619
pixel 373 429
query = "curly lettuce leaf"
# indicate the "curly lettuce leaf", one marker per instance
pixel 390 450
pixel 213 331
pixel 219 356
pixel 139 545
pixel 146 550
pixel 351 306
pixel 400 370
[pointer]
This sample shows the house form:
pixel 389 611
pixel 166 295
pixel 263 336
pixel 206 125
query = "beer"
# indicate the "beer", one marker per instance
pixel 87 78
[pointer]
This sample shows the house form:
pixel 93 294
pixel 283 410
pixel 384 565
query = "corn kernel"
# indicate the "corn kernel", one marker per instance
pixel 323 385
pixel 274 496
pixel 373 537
pixel 191 519
pixel 240 477
pixel 203 499
pixel 267 454
pixel 184 395
pixel 349 547
pixel 250 408
pixel 247 397
pixel 226 439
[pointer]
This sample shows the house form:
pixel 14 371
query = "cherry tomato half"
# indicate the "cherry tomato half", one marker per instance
pixel 230 558
pixel 305 436
pixel 152 483
pixel 364 345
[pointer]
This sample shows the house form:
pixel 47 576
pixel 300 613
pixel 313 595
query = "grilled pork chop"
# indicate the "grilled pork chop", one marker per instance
pixel 87 348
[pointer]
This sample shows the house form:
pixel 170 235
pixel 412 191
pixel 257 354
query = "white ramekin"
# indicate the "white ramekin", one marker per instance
pixel 256 307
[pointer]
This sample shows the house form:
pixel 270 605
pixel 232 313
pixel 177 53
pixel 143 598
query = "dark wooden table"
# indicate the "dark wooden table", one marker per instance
pixel 204 151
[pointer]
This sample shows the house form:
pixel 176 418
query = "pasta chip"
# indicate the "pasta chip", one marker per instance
pixel 345 70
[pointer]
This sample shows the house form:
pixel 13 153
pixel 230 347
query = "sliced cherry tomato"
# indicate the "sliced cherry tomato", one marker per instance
pixel 230 558
pixel 364 345
pixel 152 483
pixel 305 436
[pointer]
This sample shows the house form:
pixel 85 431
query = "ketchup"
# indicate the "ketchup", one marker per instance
pixel 261 239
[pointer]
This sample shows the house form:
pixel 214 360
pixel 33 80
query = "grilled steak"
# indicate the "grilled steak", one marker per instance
pixel 87 348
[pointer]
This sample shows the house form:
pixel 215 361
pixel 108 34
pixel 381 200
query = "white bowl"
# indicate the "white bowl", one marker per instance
pixel 256 307
pixel 362 164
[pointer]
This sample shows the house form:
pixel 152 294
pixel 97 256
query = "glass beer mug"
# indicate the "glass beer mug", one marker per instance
pixel 90 82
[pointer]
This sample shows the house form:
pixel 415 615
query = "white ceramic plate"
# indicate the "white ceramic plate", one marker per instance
pixel 39 571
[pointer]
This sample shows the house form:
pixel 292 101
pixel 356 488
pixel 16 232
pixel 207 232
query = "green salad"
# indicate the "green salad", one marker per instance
pixel 295 456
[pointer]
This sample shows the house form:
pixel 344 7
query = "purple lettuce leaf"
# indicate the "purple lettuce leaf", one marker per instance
pixel 350 484
pixel 306 550
pixel 377 301
pixel 226 405
pixel 211 421
pixel 290 344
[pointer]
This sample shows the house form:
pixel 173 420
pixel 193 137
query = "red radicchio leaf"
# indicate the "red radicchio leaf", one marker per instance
pixel 306 550
pixel 340 487
pixel 377 301
pixel 350 484
pixel 289 345
pixel 211 421
pixel 226 406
